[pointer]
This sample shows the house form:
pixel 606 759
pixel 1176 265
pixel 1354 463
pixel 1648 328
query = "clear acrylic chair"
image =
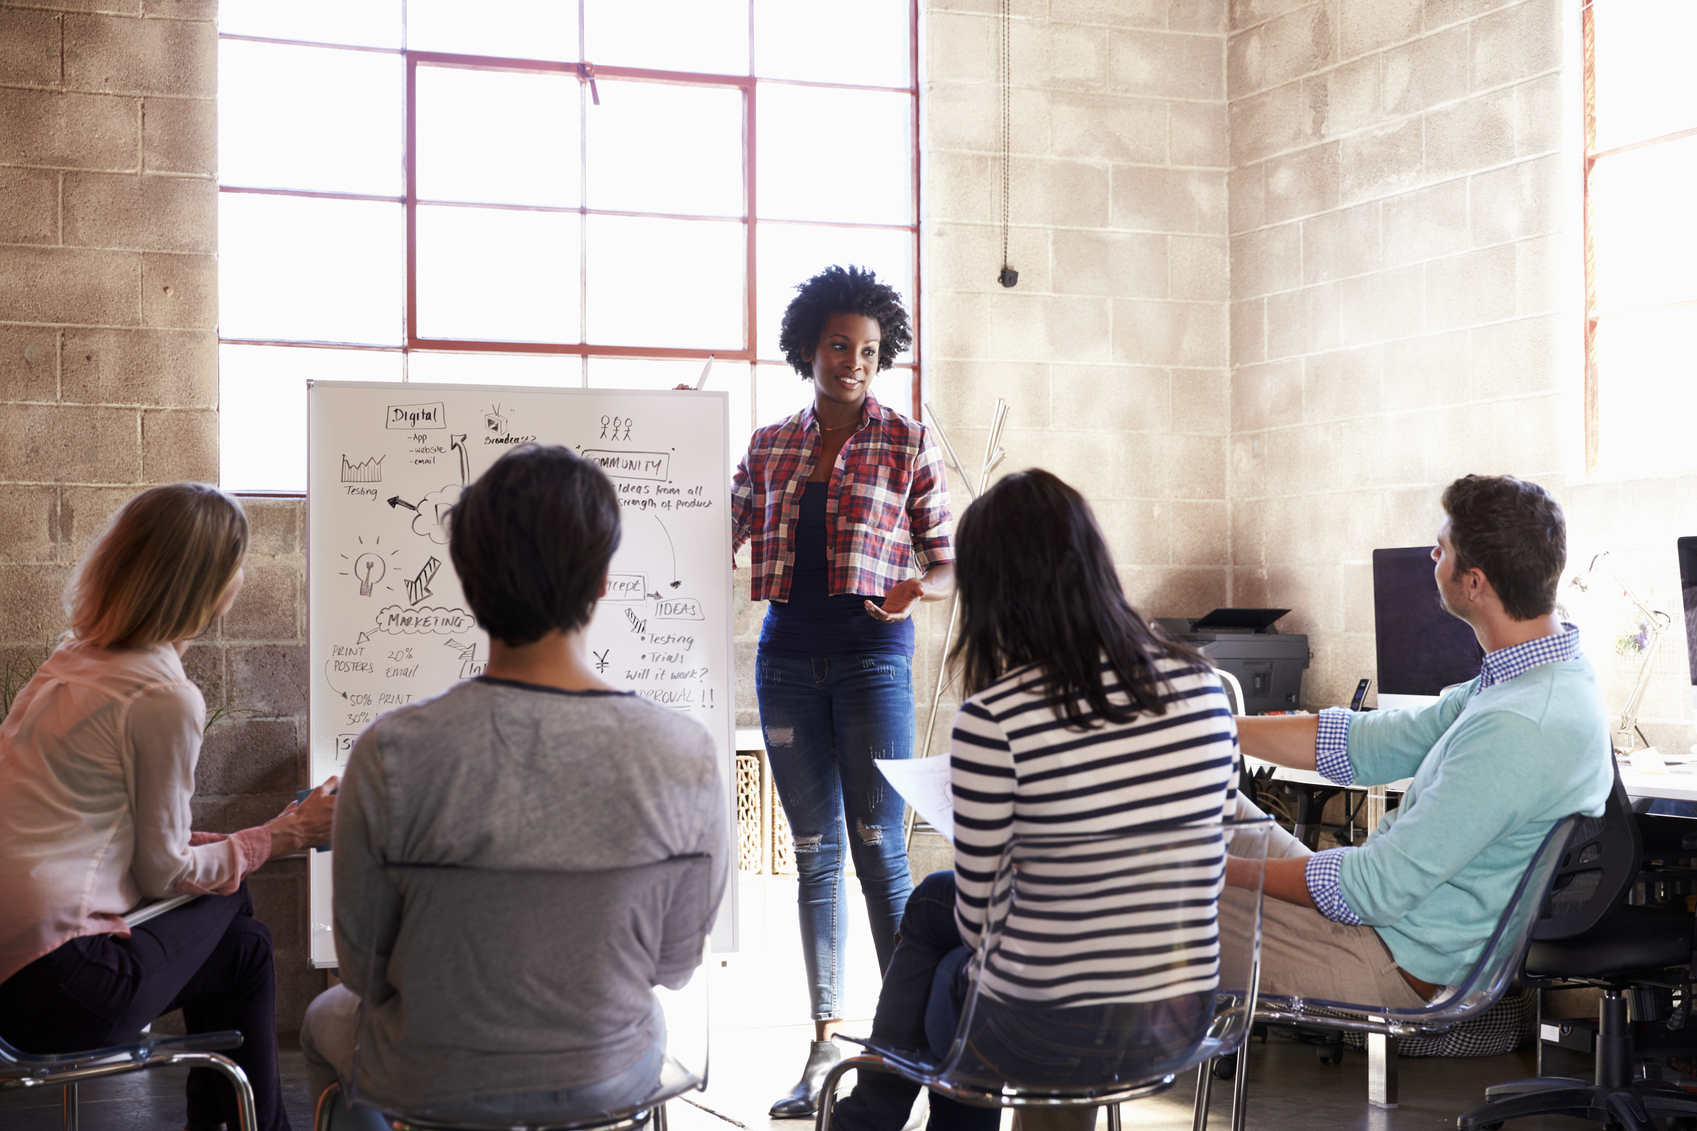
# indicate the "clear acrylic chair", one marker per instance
pixel 1496 969
pixel 528 924
pixel 199 1050
pixel 1143 1027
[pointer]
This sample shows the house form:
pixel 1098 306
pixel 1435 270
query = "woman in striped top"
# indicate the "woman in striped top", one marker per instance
pixel 1080 719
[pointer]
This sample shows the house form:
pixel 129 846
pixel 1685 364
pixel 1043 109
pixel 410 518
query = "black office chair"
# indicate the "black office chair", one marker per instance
pixel 1589 934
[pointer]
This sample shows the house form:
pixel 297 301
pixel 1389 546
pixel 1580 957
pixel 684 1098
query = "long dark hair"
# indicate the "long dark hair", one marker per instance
pixel 1038 586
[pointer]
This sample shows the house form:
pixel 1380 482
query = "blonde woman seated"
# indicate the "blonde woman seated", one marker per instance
pixel 97 761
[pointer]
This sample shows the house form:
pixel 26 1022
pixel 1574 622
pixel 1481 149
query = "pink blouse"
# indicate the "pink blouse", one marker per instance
pixel 97 763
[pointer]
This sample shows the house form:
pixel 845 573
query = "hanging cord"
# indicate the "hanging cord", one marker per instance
pixel 1008 276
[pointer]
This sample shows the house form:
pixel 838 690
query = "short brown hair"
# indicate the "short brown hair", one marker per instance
pixel 531 540
pixel 1514 532
pixel 158 571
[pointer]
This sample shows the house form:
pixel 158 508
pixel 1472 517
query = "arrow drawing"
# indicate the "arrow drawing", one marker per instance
pixel 333 687
pixel 364 636
pixel 397 501
pixel 668 534
pixel 419 587
pixel 457 442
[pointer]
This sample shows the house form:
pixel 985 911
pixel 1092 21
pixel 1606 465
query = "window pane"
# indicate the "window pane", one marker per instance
pixel 779 392
pixel 807 172
pixel 1644 232
pixel 310 270
pixel 652 372
pixel 819 41
pixel 498 137
pixel 516 29
pixel 495 274
pixel 789 254
pixel 668 35
pixel 545 370
pixel 676 283
pixel 660 148
pixel 1643 75
pixel 364 23
pixel 262 408
pixel 309 118
pixel 1647 398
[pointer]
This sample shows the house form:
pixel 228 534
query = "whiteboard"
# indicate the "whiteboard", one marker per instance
pixel 387 622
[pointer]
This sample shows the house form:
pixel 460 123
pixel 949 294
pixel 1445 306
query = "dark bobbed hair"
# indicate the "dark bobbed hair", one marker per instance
pixel 1515 533
pixel 1038 586
pixel 531 540
pixel 842 290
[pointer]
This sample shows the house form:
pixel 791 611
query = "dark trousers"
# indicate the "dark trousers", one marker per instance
pixel 927 936
pixel 210 958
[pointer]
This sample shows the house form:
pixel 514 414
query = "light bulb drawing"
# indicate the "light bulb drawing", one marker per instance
pixel 369 568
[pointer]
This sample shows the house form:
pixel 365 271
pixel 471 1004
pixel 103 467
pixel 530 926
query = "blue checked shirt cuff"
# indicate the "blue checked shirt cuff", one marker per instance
pixel 1322 873
pixel 1331 746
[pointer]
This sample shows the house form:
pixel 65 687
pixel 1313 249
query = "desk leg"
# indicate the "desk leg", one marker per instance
pixel 1381 1069
pixel 69 1110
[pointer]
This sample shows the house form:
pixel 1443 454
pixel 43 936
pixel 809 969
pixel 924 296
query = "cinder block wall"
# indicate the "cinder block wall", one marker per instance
pixel 1397 195
pixel 1112 350
pixel 1406 308
pixel 108 379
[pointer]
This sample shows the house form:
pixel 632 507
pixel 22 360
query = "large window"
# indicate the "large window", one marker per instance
pixel 1640 237
pixel 534 192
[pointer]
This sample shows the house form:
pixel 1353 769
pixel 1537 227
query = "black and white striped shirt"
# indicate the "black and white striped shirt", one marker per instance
pixel 1018 769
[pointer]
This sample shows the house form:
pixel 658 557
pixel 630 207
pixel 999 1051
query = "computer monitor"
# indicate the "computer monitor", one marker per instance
pixel 1688 591
pixel 1421 648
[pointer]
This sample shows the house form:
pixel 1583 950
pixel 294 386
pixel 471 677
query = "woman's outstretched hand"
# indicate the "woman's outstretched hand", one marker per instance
pixel 899 601
pixel 304 823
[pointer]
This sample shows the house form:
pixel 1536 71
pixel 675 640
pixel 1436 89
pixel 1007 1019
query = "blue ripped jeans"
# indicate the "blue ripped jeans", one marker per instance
pixel 825 720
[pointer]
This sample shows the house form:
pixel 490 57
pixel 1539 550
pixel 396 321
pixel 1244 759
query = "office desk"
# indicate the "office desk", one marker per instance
pixel 1669 787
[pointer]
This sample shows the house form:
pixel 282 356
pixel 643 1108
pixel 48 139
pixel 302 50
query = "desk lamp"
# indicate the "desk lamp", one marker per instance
pixel 1651 624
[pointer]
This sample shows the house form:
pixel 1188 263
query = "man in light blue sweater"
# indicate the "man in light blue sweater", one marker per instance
pixel 1495 763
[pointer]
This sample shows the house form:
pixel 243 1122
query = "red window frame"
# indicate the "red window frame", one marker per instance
pixel 587 72
pixel 1593 155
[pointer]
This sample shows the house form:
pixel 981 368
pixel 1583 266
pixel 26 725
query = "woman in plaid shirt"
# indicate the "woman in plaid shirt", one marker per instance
pixel 846 505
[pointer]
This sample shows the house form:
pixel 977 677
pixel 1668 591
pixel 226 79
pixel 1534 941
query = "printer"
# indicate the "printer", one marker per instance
pixel 1268 664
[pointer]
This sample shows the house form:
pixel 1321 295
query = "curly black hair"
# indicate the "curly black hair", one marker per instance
pixel 842 290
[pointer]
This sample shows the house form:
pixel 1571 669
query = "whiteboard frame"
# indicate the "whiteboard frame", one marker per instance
pixel 727 933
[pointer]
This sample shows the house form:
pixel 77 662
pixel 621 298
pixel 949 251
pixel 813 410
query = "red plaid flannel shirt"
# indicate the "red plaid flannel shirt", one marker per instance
pixel 886 515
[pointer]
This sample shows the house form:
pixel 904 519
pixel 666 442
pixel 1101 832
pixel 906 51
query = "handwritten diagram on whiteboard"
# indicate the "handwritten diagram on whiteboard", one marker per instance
pixel 388 623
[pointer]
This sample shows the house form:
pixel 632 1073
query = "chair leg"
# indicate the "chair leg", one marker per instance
pixel 68 1106
pixel 1240 1090
pixel 1114 1117
pixel 1204 1091
pixel 1381 1070
pixel 828 1091
pixel 659 1117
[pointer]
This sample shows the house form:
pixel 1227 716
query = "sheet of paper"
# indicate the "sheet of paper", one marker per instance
pixel 153 910
pixel 924 784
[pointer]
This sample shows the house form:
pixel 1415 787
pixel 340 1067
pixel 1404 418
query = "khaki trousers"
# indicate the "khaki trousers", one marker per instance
pixel 1304 954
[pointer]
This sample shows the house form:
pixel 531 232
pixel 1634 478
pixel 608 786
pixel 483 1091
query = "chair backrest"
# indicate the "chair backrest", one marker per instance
pixel 1111 961
pixel 1233 689
pixel 519 971
pixel 1599 865
pixel 1498 964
